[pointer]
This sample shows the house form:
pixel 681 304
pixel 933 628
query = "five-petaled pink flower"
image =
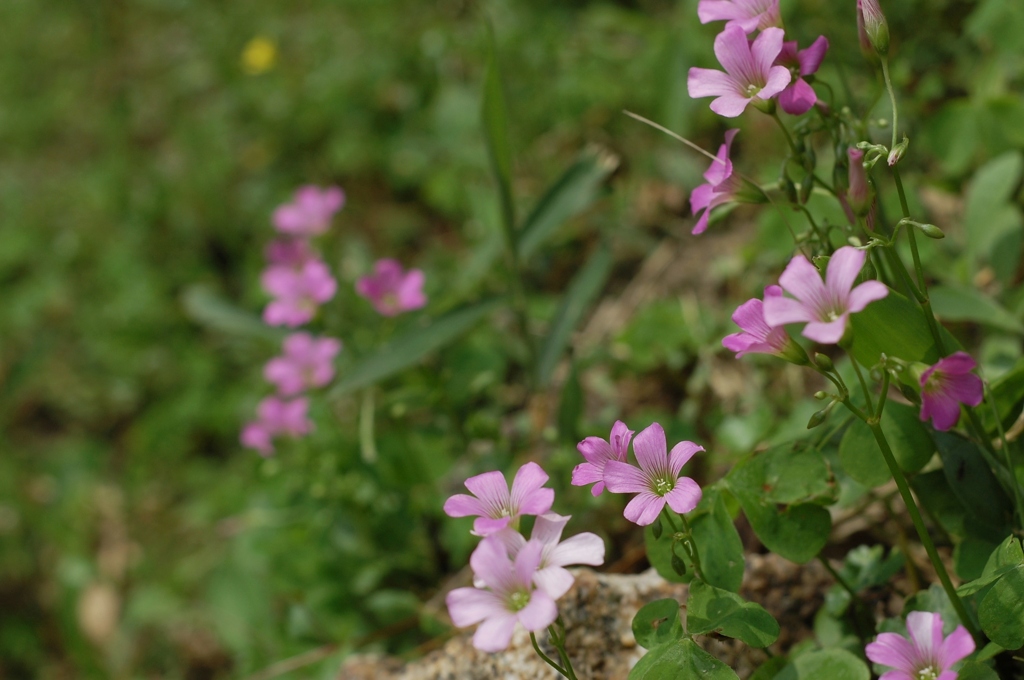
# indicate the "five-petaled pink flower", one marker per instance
pixel 750 15
pixel 927 655
pixel 310 211
pixel 720 188
pixel 757 337
pixel 657 481
pixel 276 416
pixel 297 292
pixel 510 596
pixel 598 452
pixel 494 506
pixel 306 362
pixel 750 74
pixel 288 252
pixel 946 385
pixel 551 575
pixel 799 96
pixel 824 306
pixel 391 289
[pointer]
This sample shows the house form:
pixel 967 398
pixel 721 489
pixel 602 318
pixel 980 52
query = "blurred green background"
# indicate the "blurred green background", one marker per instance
pixel 143 146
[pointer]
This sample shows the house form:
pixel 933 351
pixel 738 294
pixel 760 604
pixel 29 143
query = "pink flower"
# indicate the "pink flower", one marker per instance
pixel 598 452
pixel 509 597
pixel 657 481
pixel 720 188
pixel 494 506
pixel 297 292
pixel 750 74
pixel 274 417
pixel 551 575
pixel 749 15
pixel 310 212
pixel 306 362
pixel 392 290
pixel 289 252
pixel 824 306
pixel 926 656
pixel 945 386
pixel 757 337
pixel 871 24
pixel 799 96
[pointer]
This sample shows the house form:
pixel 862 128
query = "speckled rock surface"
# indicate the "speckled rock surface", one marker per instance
pixel 598 613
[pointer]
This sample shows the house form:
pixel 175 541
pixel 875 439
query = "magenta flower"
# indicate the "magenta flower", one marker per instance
pixel 926 656
pixel 799 96
pixel 306 362
pixel 552 576
pixel 288 252
pixel 749 15
pixel 310 212
pixel 510 596
pixel 657 481
pixel 297 292
pixel 720 188
pixel 945 386
pixel 757 337
pixel 598 452
pixel 750 74
pixel 494 506
pixel 275 417
pixel 824 306
pixel 392 290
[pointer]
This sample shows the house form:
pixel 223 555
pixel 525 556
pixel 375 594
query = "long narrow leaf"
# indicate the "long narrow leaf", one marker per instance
pixel 208 309
pixel 586 285
pixel 495 121
pixel 573 193
pixel 411 347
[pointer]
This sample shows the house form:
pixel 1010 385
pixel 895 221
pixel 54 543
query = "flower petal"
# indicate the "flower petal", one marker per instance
pixel 548 528
pixel 596 450
pixel 967 389
pixel 529 479
pixel 779 311
pixel 461 505
pixel 540 613
pixel 810 59
pixel 925 629
pixel 778 78
pixel 730 105
pixel 765 50
pixel 492 490
pixel 467 606
pixel 685 496
pixel 587 473
pixel 624 478
pixel 495 633
pixel 798 98
pixel 651 449
pixel 528 561
pixel 843 268
pixel 644 508
pixel 555 581
pixel 865 294
pixel 706 82
pixel 895 651
pixel 955 647
pixel 585 548
pixel 801 280
pixel 827 333
pixel 681 453
pixel 490 564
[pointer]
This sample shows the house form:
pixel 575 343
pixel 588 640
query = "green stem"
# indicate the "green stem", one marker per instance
pixel 541 654
pixel 814 225
pixel 863 383
pixel 892 98
pixel 558 640
pixel 858 603
pixel 692 549
pixel 1018 501
pixel 922 531
pixel 789 137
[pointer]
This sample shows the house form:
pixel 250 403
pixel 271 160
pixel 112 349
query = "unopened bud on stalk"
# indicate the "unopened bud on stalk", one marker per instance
pixel 806 186
pixel 788 188
pixel 897 151
pixel 871 24
pixel 931 231
pixel 823 362
pixel 859 195
pixel 819 417
pixel 820 395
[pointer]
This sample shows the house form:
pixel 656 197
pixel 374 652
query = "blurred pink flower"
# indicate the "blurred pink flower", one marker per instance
pixel 946 385
pixel 825 306
pixel 276 416
pixel 720 188
pixel 657 480
pixel 750 72
pixel 927 655
pixel 756 336
pixel 288 252
pixel 494 506
pixel 297 292
pixel 306 362
pixel 551 575
pixel 799 97
pixel 391 289
pixel 749 15
pixel 509 596
pixel 598 452
pixel 310 211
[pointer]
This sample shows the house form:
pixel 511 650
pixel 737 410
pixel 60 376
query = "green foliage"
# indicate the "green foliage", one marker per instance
pixel 711 609
pixel 657 623
pixel 837 664
pixel 861 457
pixel 682 659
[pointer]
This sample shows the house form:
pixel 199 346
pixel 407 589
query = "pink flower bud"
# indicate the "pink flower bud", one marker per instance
pixel 873 24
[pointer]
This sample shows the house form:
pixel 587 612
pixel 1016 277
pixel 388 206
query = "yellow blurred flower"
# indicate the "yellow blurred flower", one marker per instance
pixel 259 56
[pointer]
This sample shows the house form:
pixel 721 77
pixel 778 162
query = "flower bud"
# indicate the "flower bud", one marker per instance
pixel 823 362
pixel 897 151
pixel 820 394
pixel 871 23
pixel 931 231
pixel 818 418
pixel 859 195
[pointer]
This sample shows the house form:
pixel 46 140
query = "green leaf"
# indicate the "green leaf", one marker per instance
pixel 770 668
pixel 682 660
pixel 973 482
pixel 953 303
pixel 583 289
pixel 896 327
pixel 933 491
pixel 1007 556
pixel 987 216
pixel 495 121
pixel 973 670
pixel 1001 611
pixel 208 309
pixel 970 556
pixel 570 195
pixel 1008 393
pixel 660 553
pixel 657 623
pixel 713 609
pixel 798 532
pixel 833 664
pixel 720 546
pixel 788 473
pixel 911 446
pixel 411 347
